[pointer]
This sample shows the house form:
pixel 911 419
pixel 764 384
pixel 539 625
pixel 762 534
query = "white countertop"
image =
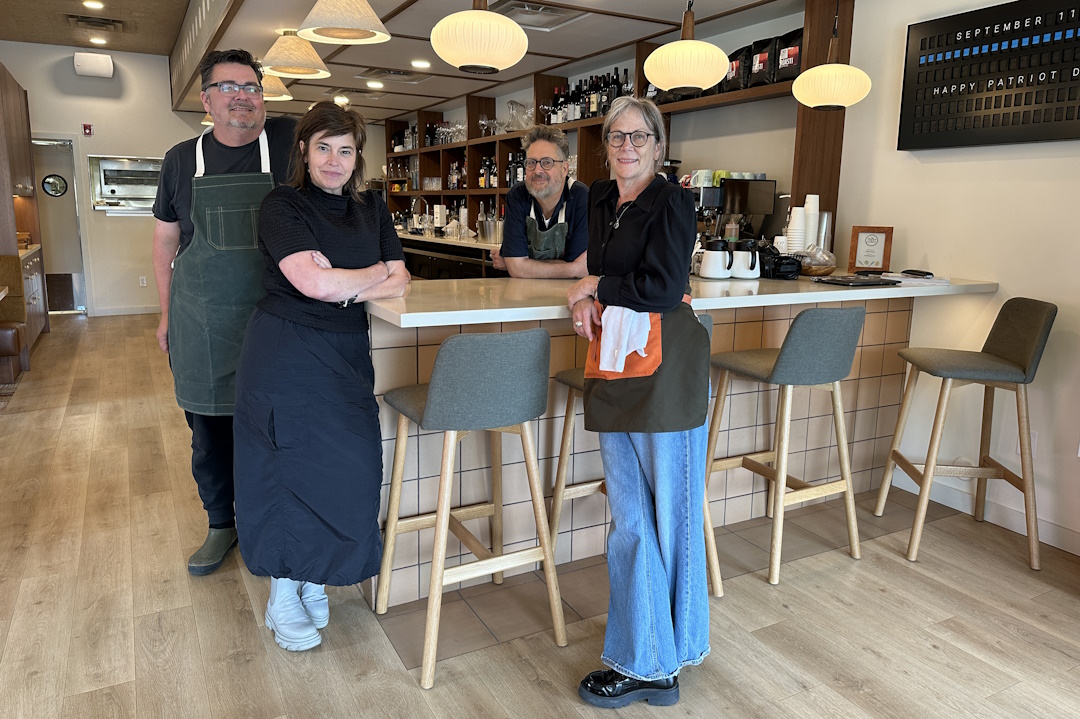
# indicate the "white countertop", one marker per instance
pixel 473 243
pixel 436 303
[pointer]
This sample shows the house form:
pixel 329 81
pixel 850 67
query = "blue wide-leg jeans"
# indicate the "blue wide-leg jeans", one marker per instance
pixel 658 614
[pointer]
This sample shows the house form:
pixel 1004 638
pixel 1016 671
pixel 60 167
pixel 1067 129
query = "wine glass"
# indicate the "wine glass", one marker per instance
pixel 484 124
pixel 546 112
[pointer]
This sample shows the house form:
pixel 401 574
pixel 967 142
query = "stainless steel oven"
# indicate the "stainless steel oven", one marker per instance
pixel 124 185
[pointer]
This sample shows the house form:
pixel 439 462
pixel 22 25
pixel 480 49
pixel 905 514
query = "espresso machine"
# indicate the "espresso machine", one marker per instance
pixel 746 203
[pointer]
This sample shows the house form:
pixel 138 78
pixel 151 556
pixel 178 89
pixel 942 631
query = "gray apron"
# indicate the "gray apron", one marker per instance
pixel 216 282
pixel 549 244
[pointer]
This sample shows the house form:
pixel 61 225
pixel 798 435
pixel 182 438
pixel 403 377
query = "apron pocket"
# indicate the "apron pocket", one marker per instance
pixel 232 228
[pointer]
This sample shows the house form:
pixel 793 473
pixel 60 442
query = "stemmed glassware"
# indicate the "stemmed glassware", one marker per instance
pixel 485 125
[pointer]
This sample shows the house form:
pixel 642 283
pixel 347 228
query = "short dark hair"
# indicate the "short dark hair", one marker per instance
pixel 217 57
pixel 549 134
pixel 335 121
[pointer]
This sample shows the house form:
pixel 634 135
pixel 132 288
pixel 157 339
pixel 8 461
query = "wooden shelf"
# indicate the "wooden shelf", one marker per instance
pixel 403 153
pixel 753 94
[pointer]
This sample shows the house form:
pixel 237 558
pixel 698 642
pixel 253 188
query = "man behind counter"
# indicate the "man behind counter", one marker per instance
pixel 546 229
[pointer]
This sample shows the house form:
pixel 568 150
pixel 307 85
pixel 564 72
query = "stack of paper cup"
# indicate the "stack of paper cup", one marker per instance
pixel 796 230
pixel 811 207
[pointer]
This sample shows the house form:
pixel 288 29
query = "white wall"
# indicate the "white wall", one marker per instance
pixel 131 114
pixel 1003 213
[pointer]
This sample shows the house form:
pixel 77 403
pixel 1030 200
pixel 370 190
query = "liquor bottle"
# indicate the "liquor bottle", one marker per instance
pixel 463 177
pixel 616 85
pixel 558 104
pixel 493 173
pixel 509 171
pixel 481 216
pixel 605 95
pixel 583 101
pixel 520 169
pixel 627 83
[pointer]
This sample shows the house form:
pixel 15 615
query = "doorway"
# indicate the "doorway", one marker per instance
pixel 58 212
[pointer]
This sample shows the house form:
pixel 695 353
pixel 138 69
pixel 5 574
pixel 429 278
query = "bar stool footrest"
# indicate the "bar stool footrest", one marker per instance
pixel 484 567
pixel 815 491
pixel 584 489
pixel 427 521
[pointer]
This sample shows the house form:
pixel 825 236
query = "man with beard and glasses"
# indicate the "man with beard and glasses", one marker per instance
pixel 546 230
pixel 209 269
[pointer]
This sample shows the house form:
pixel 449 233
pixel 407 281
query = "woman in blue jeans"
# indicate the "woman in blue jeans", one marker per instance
pixel 649 410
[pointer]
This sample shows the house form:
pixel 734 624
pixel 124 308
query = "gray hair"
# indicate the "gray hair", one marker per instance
pixel 549 134
pixel 654 121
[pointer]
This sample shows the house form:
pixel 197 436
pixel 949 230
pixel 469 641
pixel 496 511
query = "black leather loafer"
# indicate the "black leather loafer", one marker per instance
pixel 609 689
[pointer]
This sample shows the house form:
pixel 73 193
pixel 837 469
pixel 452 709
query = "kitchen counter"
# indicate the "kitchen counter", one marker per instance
pixel 472 243
pixel 476 301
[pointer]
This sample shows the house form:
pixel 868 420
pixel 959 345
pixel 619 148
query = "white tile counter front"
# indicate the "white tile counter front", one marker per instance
pixel 406 334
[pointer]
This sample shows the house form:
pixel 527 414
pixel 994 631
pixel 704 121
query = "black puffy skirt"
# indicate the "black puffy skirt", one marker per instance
pixel 308 453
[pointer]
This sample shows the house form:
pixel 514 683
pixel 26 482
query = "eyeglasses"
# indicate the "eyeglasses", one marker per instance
pixel 637 138
pixel 231 88
pixel 545 162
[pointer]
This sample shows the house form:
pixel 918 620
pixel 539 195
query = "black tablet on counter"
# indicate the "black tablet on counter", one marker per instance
pixel 856 280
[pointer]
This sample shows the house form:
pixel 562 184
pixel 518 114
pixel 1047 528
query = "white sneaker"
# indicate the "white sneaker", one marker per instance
pixel 313 597
pixel 285 615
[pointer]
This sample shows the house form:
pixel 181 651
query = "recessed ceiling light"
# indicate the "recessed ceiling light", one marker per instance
pixel 422 64
pixel 93 4
pixel 98 40
pixel 374 84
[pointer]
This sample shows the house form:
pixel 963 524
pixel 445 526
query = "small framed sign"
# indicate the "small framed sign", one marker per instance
pixel 870 248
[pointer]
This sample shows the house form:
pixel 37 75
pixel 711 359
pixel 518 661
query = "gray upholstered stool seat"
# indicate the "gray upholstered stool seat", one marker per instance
pixel 409 401
pixel 751 364
pixel 1008 360
pixel 505 397
pixel 818 352
pixel 962 364
pixel 574 380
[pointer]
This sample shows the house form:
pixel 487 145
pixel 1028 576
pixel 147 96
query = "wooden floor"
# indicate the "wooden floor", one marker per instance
pixel 99 618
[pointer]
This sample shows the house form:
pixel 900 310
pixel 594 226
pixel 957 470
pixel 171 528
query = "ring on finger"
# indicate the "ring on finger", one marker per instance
pixel 578 324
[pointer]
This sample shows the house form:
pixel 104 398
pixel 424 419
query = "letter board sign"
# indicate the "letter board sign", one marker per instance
pixel 1003 74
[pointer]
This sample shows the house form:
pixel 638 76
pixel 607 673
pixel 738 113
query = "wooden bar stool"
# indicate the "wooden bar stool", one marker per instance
pixel 574 380
pixel 509 393
pixel 817 352
pixel 1008 360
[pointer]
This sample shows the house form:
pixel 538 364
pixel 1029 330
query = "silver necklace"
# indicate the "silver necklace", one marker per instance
pixel 618 216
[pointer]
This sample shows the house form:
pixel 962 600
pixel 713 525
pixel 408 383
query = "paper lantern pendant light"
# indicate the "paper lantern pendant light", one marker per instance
pixel 479 41
pixel 274 89
pixel 834 85
pixel 293 56
pixel 207 120
pixel 686 64
pixel 343 22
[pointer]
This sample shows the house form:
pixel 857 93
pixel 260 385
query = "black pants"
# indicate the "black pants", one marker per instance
pixel 212 465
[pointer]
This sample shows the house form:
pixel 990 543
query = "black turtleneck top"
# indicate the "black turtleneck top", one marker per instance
pixel 351 234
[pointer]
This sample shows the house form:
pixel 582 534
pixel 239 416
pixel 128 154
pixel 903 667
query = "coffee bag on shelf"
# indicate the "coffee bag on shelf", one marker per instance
pixel 738 74
pixel 762 62
pixel 788 55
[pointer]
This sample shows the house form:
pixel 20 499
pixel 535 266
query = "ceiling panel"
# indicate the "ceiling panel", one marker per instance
pixel 590 34
pixel 309 93
pixel 400 52
pixel 433 86
pixel 146 26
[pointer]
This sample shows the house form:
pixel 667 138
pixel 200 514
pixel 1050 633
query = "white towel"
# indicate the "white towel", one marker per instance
pixel 624 331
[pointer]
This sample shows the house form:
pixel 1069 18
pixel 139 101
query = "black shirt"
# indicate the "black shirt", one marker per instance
pixel 352 235
pixel 519 201
pixel 645 266
pixel 645 263
pixel 173 202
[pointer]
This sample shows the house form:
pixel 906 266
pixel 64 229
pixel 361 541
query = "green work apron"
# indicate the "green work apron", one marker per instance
pixel 216 281
pixel 549 244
